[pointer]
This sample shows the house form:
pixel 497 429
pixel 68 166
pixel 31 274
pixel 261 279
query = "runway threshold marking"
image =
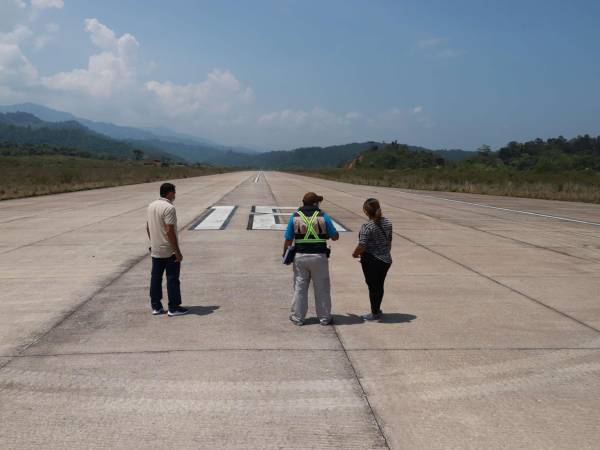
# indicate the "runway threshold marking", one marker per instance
pixel 215 218
pixel 482 205
pixel 276 218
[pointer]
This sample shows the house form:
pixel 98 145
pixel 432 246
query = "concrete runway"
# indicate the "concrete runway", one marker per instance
pixel 491 337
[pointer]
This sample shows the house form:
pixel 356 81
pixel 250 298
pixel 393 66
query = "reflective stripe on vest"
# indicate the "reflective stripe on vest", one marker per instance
pixel 311 236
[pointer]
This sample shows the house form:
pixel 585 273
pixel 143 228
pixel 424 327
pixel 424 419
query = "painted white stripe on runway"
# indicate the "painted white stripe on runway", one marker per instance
pixel 264 218
pixel 482 205
pixel 216 219
pixel 257 177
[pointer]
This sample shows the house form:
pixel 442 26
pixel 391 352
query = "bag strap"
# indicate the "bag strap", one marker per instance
pixel 378 223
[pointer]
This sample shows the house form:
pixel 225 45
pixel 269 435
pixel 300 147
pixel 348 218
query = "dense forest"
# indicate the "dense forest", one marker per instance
pixel 558 168
pixel 557 154
pixel 553 155
pixel 395 156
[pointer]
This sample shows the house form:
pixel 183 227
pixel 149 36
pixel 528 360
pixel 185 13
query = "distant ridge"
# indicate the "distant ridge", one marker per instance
pixel 22 128
pixel 182 146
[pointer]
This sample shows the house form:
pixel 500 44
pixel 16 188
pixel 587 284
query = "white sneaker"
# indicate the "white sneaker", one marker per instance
pixel 296 321
pixel 158 312
pixel 179 311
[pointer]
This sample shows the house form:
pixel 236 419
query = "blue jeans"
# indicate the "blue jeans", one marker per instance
pixel 172 267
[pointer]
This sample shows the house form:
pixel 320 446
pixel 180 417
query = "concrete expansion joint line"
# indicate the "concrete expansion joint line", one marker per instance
pixel 362 389
pixel 469 227
pixel 90 224
pixel 307 350
pixel 343 349
pixel 130 265
pixel 487 277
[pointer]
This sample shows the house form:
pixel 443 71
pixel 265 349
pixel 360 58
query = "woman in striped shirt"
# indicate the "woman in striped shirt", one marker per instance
pixel 374 246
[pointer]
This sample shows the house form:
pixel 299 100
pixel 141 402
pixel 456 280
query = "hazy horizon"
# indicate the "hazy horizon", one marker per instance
pixel 278 75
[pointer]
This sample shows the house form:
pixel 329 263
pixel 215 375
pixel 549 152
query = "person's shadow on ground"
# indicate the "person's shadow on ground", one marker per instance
pixel 353 319
pixel 202 310
pixel 396 318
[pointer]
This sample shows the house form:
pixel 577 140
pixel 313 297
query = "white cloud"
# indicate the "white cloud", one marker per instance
pixel 316 119
pixel 116 86
pixel 402 120
pixel 11 13
pixel 431 42
pixel 41 41
pixel 437 46
pixel 15 69
pixel 451 53
pixel 52 27
pixel 47 4
pixel 287 117
pixel 106 39
pixel 19 34
pixel 218 94
pixel 353 115
pixel 107 72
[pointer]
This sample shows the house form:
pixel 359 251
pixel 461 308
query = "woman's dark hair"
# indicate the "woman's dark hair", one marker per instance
pixel 165 188
pixel 373 209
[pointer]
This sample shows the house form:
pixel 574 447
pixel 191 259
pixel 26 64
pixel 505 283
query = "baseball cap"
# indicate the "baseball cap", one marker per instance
pixel 310 198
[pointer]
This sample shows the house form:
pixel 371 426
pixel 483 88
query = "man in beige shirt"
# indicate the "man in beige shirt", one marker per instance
pixel 166 255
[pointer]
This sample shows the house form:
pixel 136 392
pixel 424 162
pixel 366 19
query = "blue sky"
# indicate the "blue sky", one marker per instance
pixel 281 74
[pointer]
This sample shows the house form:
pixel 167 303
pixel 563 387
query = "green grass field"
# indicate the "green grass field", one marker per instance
pixel 31 175
pixel 565 185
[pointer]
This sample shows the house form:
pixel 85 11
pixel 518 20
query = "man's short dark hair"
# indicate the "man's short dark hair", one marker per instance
pixel 165 188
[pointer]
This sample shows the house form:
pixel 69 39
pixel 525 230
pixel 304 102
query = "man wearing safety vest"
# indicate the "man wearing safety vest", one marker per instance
pixel 308 229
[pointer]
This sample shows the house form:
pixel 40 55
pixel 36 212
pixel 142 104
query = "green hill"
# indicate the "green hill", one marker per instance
pixel 19 129
pixel 300 158
pixel 395 156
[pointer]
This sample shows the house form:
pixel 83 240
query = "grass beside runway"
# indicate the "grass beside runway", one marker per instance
pixel 570 186
pixel 32 175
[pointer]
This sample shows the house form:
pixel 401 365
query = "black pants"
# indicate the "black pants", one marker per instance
pixel 375 271
pixel 173 267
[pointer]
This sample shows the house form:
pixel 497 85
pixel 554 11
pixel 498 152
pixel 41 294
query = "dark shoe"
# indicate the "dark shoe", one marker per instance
pixel 179 311
pixel 370 317
pixel 296 321
pixel 158 312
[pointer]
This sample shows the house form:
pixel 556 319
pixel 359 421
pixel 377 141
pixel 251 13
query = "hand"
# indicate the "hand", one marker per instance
pixel 178 257
pixel 355 255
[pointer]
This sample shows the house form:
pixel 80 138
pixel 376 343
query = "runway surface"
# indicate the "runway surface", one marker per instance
pixel 490 339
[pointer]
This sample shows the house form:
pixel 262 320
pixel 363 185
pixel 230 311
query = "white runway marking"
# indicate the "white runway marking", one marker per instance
pixel 257 177
pixel 217 218
pixel 481 205
pixel 265 218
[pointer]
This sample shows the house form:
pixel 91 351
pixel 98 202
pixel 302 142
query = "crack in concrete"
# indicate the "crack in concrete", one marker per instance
pixel 375 416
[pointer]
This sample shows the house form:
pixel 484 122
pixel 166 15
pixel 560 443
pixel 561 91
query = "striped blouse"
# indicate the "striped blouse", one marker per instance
pixel 376 239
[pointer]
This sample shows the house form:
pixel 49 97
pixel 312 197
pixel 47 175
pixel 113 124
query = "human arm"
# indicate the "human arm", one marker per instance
pixel 358 251
pixel 288 235
pixel 331 231
pixel 286 244
pixel 362 243
pixel 172 237
pixel 170 218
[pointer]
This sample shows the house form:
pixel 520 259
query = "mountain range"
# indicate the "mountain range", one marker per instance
pixel 30 123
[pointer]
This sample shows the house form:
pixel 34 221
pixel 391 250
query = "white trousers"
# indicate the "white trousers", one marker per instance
pixel 313 267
